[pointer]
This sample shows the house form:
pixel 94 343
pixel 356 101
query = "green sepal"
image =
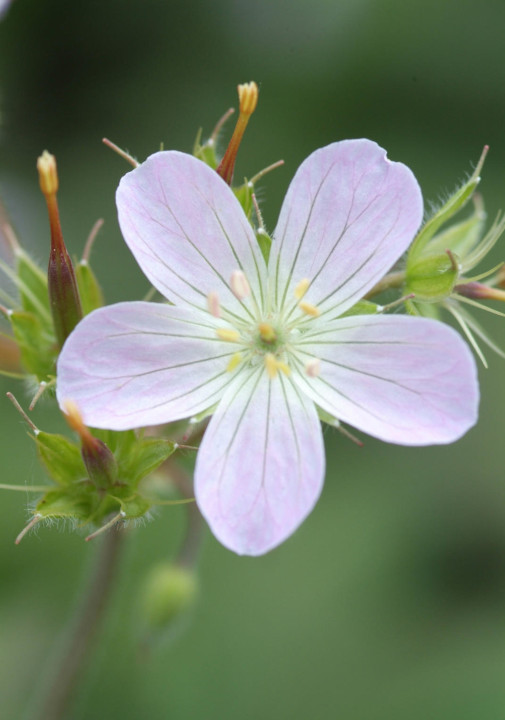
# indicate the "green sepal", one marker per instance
pixel 136 456
pixel 265 243
pixel 363 307
pixel 244 193
pixel 326 417
pixel 32 285
pixel 432 279
pixel 36 345
pixel 64 504
pixel 89 290
pixel 134 506
pixel 145 457
pixel 61 458
pixel 206 152
pixel 460 238
pixel 201 416
pixel 455 203
pixel 428 310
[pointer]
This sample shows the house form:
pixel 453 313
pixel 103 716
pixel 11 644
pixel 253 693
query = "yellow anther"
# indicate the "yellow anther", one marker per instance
pixel 228 335
pixel 213 304
pixel 309 309
pixel 302 288
pixel 283 367
pixel 235 360
pixel 271 365
pixel 239 285
pixel 248 98
pixel 313 367
pixel 267 333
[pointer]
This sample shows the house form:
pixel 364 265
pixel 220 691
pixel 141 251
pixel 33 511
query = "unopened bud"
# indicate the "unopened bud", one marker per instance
pixel 478 291
pixel 432 279
pixel 98 459
pixel 169 590
pixel 63 293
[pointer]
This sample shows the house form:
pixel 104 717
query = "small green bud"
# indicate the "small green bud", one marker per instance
pixel 168 591
pixel 433 278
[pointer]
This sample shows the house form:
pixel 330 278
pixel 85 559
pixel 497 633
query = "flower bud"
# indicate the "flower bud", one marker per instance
pixel 432 278
pixel 479 291
pixel 98 459
pixel 63 293
pixel 169 590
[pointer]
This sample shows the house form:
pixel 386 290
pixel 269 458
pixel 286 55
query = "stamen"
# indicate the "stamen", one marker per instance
pixel 235 360
pixel 271 365
pixel 239 285
pixel 302 288
pixel 228 335
pixel 313 367
pixel 284 367
pixel 309 309
pixel 267 333
pixel 213 304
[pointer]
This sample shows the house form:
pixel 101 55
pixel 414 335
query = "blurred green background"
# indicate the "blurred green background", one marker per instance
pixel 389 602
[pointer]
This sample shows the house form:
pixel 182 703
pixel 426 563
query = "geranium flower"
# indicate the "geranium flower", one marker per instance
pixel 264 347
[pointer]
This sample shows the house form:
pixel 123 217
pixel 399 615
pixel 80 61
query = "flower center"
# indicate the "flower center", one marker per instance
pixel 269 340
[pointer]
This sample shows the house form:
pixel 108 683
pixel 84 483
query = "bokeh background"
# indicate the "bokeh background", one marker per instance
pixel 389 602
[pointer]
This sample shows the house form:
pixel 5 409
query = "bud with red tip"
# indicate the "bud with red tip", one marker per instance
pixel 63 292
pixel 98 459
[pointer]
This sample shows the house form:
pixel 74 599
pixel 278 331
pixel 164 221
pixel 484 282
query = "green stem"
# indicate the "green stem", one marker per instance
pixel 79 643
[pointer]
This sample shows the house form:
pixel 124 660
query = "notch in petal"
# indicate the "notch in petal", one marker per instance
pixel 348 215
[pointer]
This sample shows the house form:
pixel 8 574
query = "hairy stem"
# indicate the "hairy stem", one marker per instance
pixel 79 642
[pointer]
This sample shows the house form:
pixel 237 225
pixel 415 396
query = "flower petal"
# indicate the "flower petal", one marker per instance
pixel 347 217
pixel 260 466
pixel 187 231
pixel 136 364
pixel 405 380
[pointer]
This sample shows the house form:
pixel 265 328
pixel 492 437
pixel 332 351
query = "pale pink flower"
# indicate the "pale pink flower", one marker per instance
pixel 264 347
